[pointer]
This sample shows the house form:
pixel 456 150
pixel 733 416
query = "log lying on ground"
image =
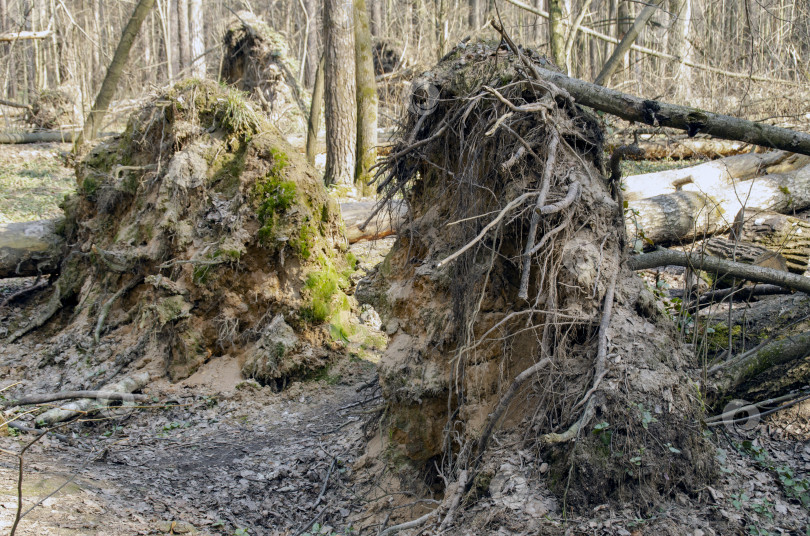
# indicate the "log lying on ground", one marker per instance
pixel 686 148
pixel 696 261
pixel 731 374
pixel 712 175
pixel 30 248
pixel 712 206
pixel 90 405
pixel 36 137
pixel 69 395
pixel 788 235
pixel 385 224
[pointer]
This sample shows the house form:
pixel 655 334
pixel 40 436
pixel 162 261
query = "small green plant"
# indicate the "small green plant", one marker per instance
pixel 602 430
pixel 241 532
pixel 646 417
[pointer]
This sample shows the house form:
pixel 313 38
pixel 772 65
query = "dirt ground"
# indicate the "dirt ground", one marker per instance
pixel 215 454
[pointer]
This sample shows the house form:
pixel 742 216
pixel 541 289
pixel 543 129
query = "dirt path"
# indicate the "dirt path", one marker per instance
pixel 249 459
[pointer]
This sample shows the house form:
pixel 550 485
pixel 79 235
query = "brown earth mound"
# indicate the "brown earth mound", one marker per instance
pixel 197 233
pixel 511 306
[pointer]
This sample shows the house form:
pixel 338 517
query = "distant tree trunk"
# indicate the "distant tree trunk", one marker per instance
pixel 376 18
pixel 366 96
pixel 183 33
pixel 538 27
pixel 107 91
pixel 627 41
pixel 315 109
pixel 341 105
pixel 623 18
pixel 475 14
pixel 557 29
pixel 678 45
pixel 312 43
pixel 197 30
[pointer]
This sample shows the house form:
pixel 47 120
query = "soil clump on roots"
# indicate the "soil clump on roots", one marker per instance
pixel 516 326
pixel 198 233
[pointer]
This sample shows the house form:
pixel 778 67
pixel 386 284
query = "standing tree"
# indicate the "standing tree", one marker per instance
pixel 197 30
pixel 366 96
pixel 107 91
pixel 183 33
pixel 341 107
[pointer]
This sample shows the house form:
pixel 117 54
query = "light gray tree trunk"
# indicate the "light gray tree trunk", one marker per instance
pixel 197 30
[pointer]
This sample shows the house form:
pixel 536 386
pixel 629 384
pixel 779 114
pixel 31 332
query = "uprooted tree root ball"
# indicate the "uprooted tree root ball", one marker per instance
pixel 197 233
pixel 518 323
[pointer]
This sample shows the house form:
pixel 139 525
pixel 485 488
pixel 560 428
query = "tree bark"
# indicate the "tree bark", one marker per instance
pixel 624 45
pixel 315 109
pixel 366 97
pixel 557 29
pixel 784 351
pixel 376 18
pixel 184 46
pixel 710 175
pixel 788 235
pixel 107 91
pixel 684 149
pixel 313 57
pixel 197 39
pixel 705 208
pixel 30 248
pixel 341 104
pixel 475 15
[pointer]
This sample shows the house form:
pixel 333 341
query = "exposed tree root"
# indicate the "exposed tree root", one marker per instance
pixel 105 309
pixel 50 309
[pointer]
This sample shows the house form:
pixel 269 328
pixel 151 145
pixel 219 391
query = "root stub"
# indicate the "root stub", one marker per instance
pixel 503 275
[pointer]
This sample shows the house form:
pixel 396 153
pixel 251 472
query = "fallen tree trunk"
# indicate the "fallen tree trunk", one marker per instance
pixel 68 395
pixel 692 120
pixel 732 374
pixel 788 235
pixel 38 137
pixel 712 175
pixel 684 149
pixel 710 207
pixel 696 261
pixel 85 406
pixel 384 224
pixel 30 248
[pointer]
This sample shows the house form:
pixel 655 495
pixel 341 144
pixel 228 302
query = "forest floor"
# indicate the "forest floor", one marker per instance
pixel 214 454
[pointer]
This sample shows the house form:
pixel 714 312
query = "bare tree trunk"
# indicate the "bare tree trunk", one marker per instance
pixel 376 18
pixel 197 30
pixel 475 14
pixel 627 41
pixel 366 96
pixel 557 29
pixel 678 45
pixel 315 109
pixel 341 104
pixel 107 91
pixel 312 43
pixel 184 46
